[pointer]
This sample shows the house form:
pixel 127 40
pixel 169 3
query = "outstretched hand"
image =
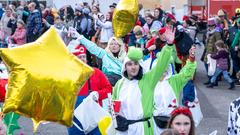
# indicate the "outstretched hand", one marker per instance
pixel 170 34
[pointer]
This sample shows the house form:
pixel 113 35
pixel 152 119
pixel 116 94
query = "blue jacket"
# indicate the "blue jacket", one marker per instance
pixel 34 23
pixel 110 64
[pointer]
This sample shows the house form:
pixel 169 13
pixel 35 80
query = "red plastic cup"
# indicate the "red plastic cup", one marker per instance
pixel 116 106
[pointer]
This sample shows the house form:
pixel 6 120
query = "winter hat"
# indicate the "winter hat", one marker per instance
pixel 134 54
pixel 78 8
pixel 220 12
pixel 185 17
pixel 162 31
pixel 86 11
pixel 171 16
pixel 194 17
pixel 237 11
pixel 211 21
pixel 79 49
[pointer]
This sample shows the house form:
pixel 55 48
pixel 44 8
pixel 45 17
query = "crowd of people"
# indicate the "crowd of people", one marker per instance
pixel 150 70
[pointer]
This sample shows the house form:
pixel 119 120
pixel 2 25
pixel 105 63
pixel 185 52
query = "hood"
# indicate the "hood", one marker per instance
pixel 134 54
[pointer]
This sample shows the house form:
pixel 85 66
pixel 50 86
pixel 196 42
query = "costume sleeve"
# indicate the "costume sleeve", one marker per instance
pixel 93 48
pixel 231 120
pixel 236 38
pixel 104 86
pixel 179 80
pixel 116 89
pixel 154 75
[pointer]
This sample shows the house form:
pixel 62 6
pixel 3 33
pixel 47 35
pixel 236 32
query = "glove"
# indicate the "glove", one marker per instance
pixel 94 95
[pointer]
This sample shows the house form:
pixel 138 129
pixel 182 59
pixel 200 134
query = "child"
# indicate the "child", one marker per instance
pixel 140 42
pixel 222 65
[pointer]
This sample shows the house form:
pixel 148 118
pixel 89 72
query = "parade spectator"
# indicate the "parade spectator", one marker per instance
pixel 181 120
pixel 97 84
pixel 12 23
pixel 140 40
pixel 106 29
pixel 235 49
pixel 80 21
pixel 112 7
pixel 213 35
pixel 158 14
pixel 151 24
pixel 19 36
pixel 4 21
pixel 222 64
pixel 112 56
pixel 34 23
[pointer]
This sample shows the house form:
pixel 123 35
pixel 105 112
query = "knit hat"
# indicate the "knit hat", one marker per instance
pixel 134 54
pixel 86 11
pixel 162 31
pixel 220 12
pixel 80 49
pixel 78 8
pixel 171 16
pixel 185 17
pixel 211 21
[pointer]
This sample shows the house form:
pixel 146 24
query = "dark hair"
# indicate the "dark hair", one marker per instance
pixel 111 15
pixel 169 132
pixel 186 112
pixel 138 76
pixel 150 16
pixel 160 14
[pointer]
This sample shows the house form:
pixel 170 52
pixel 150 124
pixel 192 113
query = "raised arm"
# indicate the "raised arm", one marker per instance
pixel 154 75
pixel 91 46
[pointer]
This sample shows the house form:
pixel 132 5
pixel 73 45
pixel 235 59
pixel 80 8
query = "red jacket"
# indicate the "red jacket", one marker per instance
pixel 99 83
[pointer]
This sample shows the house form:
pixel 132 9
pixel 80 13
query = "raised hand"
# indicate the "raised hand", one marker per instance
pixel 192 51
pixel 170 34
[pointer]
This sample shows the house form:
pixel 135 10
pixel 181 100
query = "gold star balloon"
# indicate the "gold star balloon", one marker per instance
pixel 44 79
pixel 124 17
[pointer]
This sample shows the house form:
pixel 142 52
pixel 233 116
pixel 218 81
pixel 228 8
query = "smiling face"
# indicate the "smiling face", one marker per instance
pixel 182 124
pixel 132 68
pixel 114 47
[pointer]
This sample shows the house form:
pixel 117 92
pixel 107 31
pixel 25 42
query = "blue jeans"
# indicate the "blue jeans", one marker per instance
pixel 74 130
pixel 225 75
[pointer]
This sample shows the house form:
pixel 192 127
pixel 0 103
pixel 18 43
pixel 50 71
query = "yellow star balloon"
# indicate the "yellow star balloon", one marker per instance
pixel 124 17
pixel 44 79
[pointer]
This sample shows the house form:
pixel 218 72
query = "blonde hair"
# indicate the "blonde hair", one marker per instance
pixel 122 52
